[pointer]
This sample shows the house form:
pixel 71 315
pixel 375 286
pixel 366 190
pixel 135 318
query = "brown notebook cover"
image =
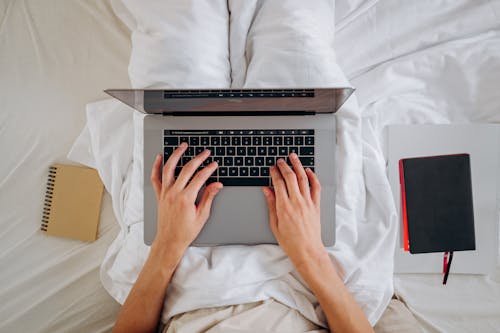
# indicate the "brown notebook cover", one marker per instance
pixel 72 202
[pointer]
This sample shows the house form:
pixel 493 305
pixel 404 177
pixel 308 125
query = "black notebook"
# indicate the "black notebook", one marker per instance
pixel 437 203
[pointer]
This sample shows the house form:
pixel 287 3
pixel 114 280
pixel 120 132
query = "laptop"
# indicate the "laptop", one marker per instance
pixel 247 130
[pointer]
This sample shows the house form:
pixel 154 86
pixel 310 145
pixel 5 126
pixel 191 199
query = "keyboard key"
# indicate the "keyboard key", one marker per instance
pixel 207 161
pixel 194 141
pixel 218 159
pixel 185 160
pixel 264 171
pixel 309 140
pixel 270 161
pixel 273 151
pixel 204 140
pixel 171 141
pixel 212 150
pixel 262 151
pixel 236 141
pixel 215 141
pixel 233 171
pixel 293 150
pixel 230 151
pixel 257 140
pixel 306 150
pixel 282 151
pixel 211 180
pixel 189 151
pixel 198 150
pixel 228 161
pixel 254 172
pixel 184 139
pixel 225 141
pixel 288 140
pixel 249 161
pixel 167 151
pixel 238 161
pixel 223 171
pixel 244 172
pixel 267 141
pixel 220 151
pixel 299 140
pixel 259 161
pixel 232 181
pixel 252 151
pixel 246 141
pixel 307 161
pixel 278 140
pixel 241 151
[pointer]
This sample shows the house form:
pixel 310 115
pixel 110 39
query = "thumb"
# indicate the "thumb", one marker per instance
pixel 271 204
pixel 207 198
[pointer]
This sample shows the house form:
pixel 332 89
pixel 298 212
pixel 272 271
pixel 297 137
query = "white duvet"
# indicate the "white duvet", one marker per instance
pixel 296 50
pixel 425 62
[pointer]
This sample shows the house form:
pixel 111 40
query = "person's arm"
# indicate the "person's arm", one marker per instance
pixel 294 209
pixel 180 220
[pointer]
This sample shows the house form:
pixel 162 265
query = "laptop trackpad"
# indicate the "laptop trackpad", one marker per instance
pixel 239 216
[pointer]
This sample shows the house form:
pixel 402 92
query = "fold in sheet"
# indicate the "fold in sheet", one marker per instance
pixel 265 52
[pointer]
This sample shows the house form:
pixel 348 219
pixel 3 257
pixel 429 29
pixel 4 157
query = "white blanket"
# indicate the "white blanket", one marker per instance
pixel 296 50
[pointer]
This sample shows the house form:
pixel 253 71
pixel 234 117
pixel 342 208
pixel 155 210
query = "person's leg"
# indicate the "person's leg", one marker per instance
pixel 397 318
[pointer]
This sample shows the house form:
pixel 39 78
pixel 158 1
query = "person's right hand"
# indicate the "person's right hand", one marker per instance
pixel 294 211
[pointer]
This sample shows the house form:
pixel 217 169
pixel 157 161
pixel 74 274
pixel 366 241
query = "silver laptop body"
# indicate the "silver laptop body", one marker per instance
pixel 239 213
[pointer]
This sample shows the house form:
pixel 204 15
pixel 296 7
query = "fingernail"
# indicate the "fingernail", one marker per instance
pixel 158 156
pixel 293 155
pixel 183 144
pixel 281 161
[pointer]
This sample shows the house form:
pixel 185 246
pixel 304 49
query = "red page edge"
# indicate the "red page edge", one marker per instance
pixel 406 244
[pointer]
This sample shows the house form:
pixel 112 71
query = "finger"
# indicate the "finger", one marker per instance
pixel 279 185
pixel 301 175
pixel 170 164
pixel 190 168
pixel 200 179
pixel 205 204
pixel 271 204
pixel 315 187
pixel 290 179
pixel 155 176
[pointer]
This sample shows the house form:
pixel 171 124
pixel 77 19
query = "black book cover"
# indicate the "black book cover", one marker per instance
pixel 439 211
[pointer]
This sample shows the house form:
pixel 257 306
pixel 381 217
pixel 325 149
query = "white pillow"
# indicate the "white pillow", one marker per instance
pixel 197 31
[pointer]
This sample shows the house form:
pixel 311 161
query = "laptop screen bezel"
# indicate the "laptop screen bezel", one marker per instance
pixel 153 101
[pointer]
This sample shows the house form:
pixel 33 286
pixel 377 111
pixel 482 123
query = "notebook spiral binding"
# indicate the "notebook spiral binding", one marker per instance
pixel 49 192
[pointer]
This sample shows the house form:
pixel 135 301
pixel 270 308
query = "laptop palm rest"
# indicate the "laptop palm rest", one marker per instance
pixel 241 212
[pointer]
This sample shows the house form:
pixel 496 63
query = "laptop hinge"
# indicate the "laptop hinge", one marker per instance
pixel 239 113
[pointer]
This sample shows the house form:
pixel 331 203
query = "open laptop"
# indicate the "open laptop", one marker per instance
pixel 246 130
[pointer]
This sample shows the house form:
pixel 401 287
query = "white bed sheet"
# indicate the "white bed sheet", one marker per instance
pixel 55 56
pixel 429 62
pixel 64 54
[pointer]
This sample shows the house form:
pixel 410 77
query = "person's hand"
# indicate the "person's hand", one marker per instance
pixel 294 210
pixel 180 220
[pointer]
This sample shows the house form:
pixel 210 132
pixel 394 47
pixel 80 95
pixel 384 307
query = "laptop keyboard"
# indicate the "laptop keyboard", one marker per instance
pixel 244 156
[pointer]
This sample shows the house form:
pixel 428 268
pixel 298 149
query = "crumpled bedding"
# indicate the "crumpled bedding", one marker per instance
pixel 418 62
pixel 301 55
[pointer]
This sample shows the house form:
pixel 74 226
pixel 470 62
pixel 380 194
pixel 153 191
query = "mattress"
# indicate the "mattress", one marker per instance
pixel 57 56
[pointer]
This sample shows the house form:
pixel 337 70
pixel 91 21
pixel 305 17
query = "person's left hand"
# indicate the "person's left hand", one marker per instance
pixel 180 220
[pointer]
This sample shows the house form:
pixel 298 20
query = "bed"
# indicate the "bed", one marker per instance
pixel 57 56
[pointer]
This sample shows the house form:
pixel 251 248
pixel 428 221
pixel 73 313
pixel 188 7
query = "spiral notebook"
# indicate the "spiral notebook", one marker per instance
pixel 72 202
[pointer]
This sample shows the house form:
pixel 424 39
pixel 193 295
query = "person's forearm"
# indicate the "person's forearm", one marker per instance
pixel 142 309
pixel 342 312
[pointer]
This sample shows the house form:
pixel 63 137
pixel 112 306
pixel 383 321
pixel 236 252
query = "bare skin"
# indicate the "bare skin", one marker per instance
pixel 294 208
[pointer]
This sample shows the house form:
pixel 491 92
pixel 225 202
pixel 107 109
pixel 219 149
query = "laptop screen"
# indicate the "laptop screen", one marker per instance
pixel 227 101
